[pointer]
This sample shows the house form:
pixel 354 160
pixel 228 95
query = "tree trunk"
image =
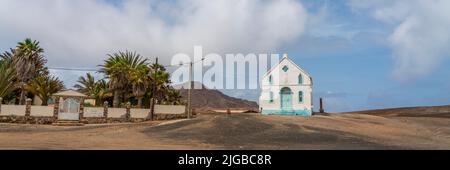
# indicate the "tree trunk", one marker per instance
pixel 98 102
pixel 22 96
pixel 139 102
pixel 44 102
pixel 116 98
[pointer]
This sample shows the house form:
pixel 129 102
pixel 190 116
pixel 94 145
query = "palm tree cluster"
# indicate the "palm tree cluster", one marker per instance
pixel 130 77
pixel 23 73
pixel 98 90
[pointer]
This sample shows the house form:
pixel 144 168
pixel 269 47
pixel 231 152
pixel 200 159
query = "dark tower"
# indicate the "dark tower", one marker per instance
pixel 321 106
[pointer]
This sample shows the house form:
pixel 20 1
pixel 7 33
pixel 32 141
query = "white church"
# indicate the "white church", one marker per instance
pixel 286 90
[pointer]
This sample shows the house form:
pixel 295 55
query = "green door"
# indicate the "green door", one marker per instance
pixel 286 98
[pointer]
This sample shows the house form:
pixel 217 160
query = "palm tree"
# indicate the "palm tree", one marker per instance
pixel 44 86
pixel 173 96
pixel 101 91
pixel 7 77
pixel 95 89
pixel 86 84
pixel 118 68
pixel 29 63
pixel 9 56
pixel 161 80
pixel 140 82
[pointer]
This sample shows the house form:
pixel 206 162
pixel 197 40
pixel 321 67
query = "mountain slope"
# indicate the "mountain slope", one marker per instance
pixel 213 99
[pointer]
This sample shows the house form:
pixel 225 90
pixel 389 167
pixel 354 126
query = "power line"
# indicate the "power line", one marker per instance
pixel 97 70
pixel 182 64
pixel 73 69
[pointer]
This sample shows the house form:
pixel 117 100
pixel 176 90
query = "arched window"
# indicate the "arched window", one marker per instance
pixel 271 97
pixel 300 79
pixel 270 79
pixel 300 96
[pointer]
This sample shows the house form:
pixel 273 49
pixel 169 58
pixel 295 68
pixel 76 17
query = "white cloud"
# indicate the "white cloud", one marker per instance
pixel 420 32
pixel 80 33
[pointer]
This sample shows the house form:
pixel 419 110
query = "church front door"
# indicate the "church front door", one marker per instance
pixel 286 98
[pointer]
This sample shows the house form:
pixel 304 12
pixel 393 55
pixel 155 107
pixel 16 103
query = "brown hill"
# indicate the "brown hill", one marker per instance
pixel 423 111
pixel 213 99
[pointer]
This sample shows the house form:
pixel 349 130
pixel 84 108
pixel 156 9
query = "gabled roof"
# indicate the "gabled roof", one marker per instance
pixel 285 57
pixel 70 93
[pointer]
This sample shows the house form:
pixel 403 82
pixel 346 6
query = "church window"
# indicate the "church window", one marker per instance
pixel 285 68
pixel 300 79
pixel 300 96
pixel 271 97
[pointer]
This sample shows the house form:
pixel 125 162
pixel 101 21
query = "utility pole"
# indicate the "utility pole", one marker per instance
pixel 152 104
pixel 190 92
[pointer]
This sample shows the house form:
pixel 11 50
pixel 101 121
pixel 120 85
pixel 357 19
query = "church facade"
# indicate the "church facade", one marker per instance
pixel 286 90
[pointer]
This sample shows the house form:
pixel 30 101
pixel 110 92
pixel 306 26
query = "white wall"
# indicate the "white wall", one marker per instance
pixel 45 111
pixel 134 112
pixel 170 109
pixel 93 112
pixel 116 112
pixel 18 110
pixel 139 113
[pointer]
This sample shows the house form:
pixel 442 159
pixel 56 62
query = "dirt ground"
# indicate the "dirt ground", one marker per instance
pixel 240 131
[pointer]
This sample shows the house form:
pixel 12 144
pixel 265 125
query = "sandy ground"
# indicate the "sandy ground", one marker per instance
pixel 240 131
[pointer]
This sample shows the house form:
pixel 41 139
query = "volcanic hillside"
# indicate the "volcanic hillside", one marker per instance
pixel 213 99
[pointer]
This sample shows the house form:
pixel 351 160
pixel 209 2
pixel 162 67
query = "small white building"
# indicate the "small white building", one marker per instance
pixel 286 90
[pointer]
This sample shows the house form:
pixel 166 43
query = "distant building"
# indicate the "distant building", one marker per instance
pixel 87 101
pixel 286 90
pixel 37 101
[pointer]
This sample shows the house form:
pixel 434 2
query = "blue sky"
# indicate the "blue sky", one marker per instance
pixel 361 54
pixel 356 72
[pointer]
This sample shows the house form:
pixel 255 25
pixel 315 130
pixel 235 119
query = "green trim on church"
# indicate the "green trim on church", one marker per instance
pixel 305 112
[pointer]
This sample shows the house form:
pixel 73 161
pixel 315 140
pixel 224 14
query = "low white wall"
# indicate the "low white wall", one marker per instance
pixel 170 109
pixel 116 112
pixel 93 112
pixel 46 111
pixel 18 110
pixel 139 113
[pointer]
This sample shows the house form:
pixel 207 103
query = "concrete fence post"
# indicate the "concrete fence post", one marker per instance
pixel 105 109
pixel 1 101
pixel 128 111
pixel 81 114
pixel 28 107
pixel 56 109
